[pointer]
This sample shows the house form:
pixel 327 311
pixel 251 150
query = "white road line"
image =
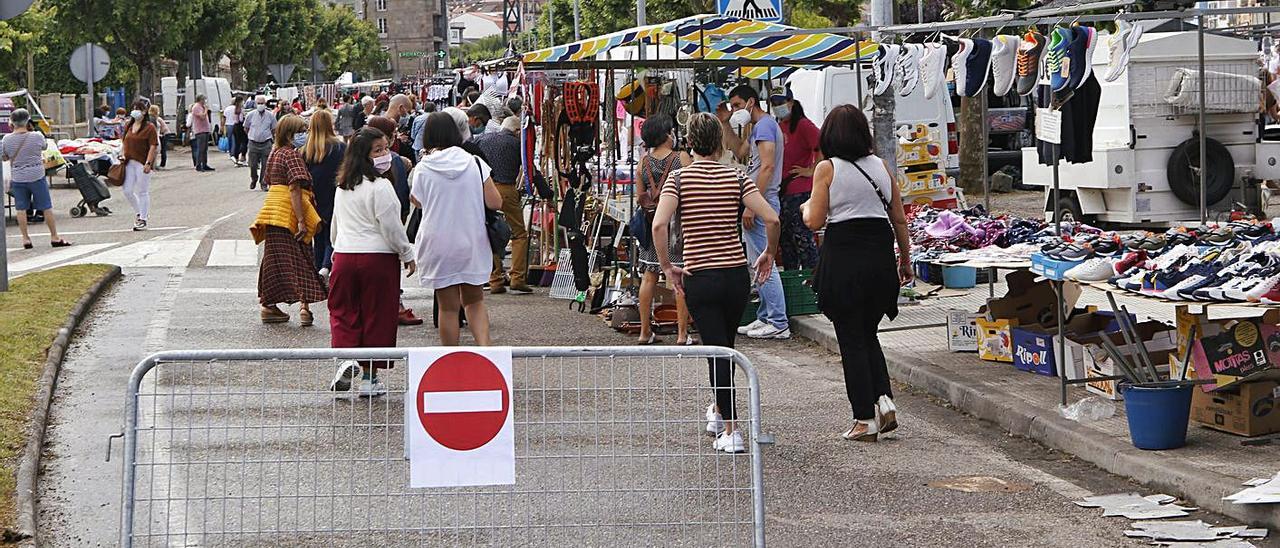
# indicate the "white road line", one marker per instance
pixel 462 401
pixel 151 253
pixel 220 290
pixel 37 235
pixel 233 253
pixel 59 255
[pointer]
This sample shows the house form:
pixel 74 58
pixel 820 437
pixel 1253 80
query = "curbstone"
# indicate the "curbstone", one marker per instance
pixel 28 473
pixel 1168 473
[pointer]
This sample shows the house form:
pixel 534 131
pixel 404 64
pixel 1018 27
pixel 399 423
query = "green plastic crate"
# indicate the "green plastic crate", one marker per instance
pixel 749 313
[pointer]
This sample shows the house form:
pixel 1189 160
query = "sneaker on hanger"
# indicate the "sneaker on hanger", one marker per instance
pixel 978 67
pixel 884 66
pixel 909 69
pixel 1120 44
pixel 1077 57
pixel 958 63
pixel 1030 49
pixel 1090 45
pixel 1059 64
pixel 1004 56
pixel 933 63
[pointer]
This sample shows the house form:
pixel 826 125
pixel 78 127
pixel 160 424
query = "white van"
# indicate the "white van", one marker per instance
pixel 217 92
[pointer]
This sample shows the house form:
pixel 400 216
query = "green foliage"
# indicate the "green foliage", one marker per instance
pixel 281 31
pixel 347 43
pixel 21 35
pixel 484 49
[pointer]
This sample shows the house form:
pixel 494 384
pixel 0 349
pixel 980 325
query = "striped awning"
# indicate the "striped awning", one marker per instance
pixel 718 38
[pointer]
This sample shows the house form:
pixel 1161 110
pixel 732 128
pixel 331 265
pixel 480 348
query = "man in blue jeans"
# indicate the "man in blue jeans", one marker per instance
pixel 764 152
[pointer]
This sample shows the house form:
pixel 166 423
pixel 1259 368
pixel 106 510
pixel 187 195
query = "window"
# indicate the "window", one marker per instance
pixel 382 5
pixel 382 26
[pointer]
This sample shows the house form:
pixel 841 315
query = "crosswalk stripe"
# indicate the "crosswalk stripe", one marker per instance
pixel 233 253
pixel 151 253
pixel 57 256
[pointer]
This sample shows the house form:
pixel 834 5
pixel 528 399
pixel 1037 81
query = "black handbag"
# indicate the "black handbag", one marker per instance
pixel 640 228
pixel 495 224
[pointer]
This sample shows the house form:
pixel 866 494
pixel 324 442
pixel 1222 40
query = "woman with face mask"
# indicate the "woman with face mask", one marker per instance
pixel 323 152
pixel 369 246
pixel 396 169
pixel 800 153
pixel 286 225
pixel 141 142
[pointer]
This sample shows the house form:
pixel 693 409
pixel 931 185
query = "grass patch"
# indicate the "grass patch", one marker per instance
pixel 31 313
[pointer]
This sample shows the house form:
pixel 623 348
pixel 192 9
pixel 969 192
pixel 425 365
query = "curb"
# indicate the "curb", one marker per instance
pixel 1204 488
pixel 28 473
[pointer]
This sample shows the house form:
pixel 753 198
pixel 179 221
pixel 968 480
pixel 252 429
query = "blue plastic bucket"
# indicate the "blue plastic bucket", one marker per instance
pixel 959 277
pixel 1158 415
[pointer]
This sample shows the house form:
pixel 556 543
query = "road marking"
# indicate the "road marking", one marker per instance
pixel 151 253
pixel 233 253
pixel 123 230
pixel 220 290
pixel 462 401
pixel 59 255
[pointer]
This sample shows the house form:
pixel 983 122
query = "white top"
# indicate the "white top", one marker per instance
pixel 852 196
pixel 452 242
pixel 229 116
pixel 367 220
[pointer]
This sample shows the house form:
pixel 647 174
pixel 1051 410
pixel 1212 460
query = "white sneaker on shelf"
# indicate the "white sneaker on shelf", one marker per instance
pixel 743 330
pixel 715 423
pixel 767 331
pixel 1097 269
pixel 730 443
pixel 371 389
pixel 347 371
pixel 1004 56
pixel 933 64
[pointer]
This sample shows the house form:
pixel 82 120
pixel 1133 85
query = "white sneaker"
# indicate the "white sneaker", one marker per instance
pixel 770 332
pixel 371 389
pixel 1097 269
pixel 933 65
pixel 908 69
pixel 730 443
pixel 347 370
pixel 884 66
pixel 1120 44
pixel 324 273
pixel 743 330
pixel 715 423
pixel 1004 56
pixel 958 62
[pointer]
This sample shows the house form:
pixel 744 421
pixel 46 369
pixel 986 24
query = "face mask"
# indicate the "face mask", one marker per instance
pixel 781 112
pixel 477 130
pixel 299 139
pixel 740 118
pixel 382 163
pixel 136 115
pixel 260 108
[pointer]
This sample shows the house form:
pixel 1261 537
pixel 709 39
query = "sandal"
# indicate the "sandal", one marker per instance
pixel 271 314
pixel 653 339
pixel 861 431
pixel 28 245
pixel 60 243
pixel 305 319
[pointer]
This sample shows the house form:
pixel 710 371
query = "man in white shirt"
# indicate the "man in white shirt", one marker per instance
pixel 260 127
pixel 230 122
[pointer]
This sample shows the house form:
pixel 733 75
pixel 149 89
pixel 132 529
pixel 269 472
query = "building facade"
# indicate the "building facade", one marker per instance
pixel 412 32
pixel 1239 19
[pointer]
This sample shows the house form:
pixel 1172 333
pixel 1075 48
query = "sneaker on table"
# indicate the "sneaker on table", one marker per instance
pixel 743 330
pixel 768 331
pixel 1004 56
pixel 933 63
pixel 1097 269
pixel 1266 286
pixel 1030 50
pixel 715 423
pixel 1120 44
pixel 730 443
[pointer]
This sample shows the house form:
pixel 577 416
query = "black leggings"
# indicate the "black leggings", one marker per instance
pixel 716 299
pixel 866 376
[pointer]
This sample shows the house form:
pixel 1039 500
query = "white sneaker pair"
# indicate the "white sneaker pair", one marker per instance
pixel 767 331
pixel 346 374
pixel 729 443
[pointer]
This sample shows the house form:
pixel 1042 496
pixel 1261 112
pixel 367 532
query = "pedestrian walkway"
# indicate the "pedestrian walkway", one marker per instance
pixel 154 253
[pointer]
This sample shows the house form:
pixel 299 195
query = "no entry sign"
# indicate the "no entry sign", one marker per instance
pixel 459 419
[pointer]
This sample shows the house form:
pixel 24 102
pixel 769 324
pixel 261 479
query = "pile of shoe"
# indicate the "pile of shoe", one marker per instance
pixel 1010 63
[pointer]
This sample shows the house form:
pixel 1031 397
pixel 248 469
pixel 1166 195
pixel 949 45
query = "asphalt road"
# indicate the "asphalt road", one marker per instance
pixel 190 284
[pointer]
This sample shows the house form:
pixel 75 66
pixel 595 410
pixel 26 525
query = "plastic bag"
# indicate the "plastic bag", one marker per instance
pixel 1088 410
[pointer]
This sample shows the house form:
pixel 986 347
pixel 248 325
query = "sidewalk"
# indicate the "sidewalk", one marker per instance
pixel 1212 464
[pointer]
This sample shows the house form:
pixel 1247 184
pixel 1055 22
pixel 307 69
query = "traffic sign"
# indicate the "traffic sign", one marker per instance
pixel 90 60
pixel 769 11
pixel 460 418
pixel 13 8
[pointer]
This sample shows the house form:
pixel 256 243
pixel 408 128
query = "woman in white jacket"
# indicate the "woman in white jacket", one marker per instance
pixel 369 245
pixel 453 188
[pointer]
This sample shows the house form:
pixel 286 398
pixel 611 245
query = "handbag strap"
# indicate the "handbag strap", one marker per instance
pixel 668 164
pixel 874 186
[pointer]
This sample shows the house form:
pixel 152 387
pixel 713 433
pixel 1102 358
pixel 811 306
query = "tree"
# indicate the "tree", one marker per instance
pixel 221 29
pixel 484 49
pixel 280 31
pixel 348 43
pixel 22 35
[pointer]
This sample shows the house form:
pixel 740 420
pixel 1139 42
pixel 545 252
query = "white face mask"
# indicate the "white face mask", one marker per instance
pixel 260 108
pixel 136 115
pixel 382 163
pixel 740 118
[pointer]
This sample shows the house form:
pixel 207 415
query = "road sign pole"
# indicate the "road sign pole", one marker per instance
pixel 88 113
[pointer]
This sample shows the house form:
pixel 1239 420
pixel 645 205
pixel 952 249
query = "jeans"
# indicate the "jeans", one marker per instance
pixel 866 375
pixel 258 154
pixel 166 140
pixel 323 247
pixel 773 302
pixel 716 299
pixel 231 141
pixel 200 150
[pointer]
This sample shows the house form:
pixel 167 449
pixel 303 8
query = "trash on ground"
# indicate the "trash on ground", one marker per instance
pixel 1191 530
pixel 1135 506
pixel 1089 409
pixel 1260 491
pixel 980 484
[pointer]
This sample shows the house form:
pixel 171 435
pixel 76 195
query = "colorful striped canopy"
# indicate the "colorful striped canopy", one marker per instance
pixel 711 37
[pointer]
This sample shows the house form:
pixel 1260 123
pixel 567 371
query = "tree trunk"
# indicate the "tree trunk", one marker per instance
pixel 882 122
pixel 972 149
pixel 146 77
pixel 237 74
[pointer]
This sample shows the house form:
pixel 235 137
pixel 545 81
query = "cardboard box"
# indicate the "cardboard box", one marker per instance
pixel 1247 409
pixel 1243 350
pixel 1034 350
pixel 1030 302
pixel 1051 268
pixel 995 339
pixel 1206 327
pixel 1035 347
pixel 1160 342
pixel 962 330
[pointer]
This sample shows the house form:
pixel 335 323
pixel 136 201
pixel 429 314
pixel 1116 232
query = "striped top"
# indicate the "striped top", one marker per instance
pixel 710 197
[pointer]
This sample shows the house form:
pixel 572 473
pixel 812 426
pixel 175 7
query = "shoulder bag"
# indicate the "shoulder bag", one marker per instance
pixel 495 222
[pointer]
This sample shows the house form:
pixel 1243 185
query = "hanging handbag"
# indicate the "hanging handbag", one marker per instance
pixel 495 223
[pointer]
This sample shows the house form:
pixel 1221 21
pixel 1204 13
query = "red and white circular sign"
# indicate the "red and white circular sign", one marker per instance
pixel 463 401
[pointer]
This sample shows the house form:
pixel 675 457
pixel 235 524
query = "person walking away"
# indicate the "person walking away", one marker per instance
pixel 655 167
pixel 857 283
pixel 369 247
pixel 230 125
pixel 260 128
pixel 398 173
pixel 201 129
pixel 323 153
pixel 714 280
pixel 287 224
pixel 800 154
pixel 502 152
pixel 240 146
pixel 166 134
pixel 140 143
pixel 346 118
pixel 24 149
pixel 453 188
pixel 764 150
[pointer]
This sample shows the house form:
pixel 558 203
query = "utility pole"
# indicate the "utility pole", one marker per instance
pixel 577 30
pixel 882 120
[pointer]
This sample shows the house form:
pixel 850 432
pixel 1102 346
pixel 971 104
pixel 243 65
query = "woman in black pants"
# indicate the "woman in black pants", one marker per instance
pixel 857 282
pixel 709 198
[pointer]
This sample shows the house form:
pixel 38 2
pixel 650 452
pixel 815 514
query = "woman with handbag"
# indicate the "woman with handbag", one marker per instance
pixel 655 167
pixel 24 148
pixel 141 142
pixel 453 250
pixel 857 282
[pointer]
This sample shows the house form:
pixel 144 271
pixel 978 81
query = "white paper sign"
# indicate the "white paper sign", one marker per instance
pixel 1049 125
pixel 459 418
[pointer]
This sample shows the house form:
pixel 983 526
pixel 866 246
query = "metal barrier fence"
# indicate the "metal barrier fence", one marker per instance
pixel 249 448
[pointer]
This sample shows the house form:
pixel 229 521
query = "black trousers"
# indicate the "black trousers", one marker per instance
pixel 166 141
pixel 866 375
pixel 716 299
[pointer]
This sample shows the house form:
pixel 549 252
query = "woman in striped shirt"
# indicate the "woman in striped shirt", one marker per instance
pixel 709 198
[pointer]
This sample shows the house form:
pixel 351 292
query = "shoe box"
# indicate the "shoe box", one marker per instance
pixel 1027 303
pixel 1230 350
pixel 995 339
pixel 1035 347
pixel 1160 341
pixel 1051 268
pixel 962 330
pixel 1247 409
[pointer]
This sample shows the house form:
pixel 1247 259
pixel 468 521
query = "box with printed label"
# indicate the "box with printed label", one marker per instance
pixel 962 330
pixel 1035 347
pixel 1033 350
pixel 995 339
pixel 1051 268
pixel 1248 409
